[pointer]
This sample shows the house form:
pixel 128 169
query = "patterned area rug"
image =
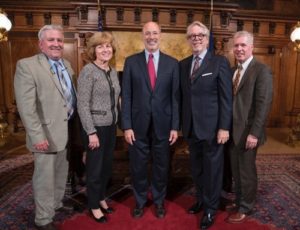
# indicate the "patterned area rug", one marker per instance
pixel 278 198
pixel 278 202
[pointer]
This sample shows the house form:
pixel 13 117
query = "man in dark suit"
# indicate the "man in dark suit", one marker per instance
pixel 150 117
pixel 253 90
pixel 206 88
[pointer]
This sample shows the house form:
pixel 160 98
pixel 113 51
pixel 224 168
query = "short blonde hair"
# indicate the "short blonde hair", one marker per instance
pixel 199 24
pixel 99 38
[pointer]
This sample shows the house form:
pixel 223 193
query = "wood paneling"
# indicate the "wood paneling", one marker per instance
pixel 270 24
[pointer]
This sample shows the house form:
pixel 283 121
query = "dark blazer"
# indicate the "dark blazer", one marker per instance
pixel 252 102
pixel 140 103
pixel 207 99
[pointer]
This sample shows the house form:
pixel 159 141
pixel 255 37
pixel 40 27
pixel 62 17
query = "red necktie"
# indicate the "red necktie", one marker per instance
pixel 151 71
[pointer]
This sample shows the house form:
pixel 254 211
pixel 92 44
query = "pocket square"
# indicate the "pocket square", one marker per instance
pixel 206 74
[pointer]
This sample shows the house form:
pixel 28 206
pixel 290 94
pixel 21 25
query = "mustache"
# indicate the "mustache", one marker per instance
pixel 56 47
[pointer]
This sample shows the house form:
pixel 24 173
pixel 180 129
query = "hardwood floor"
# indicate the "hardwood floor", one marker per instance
pixel 277 142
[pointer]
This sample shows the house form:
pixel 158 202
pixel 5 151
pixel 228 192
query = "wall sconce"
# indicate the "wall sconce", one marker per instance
pixel 5 25
pixel 295 36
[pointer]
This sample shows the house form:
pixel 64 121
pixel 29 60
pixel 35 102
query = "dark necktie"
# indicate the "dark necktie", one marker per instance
pixel 151 71
pixel 195 67
pixel 68 92
pixel 236 80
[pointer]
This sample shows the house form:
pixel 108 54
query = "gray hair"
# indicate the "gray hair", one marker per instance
pixel 199 24
pixel 49 27
pixel 246 34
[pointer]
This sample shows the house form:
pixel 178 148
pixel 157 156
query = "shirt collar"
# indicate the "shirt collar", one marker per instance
pixel 155 54
pixel 201 55
pixel 246 63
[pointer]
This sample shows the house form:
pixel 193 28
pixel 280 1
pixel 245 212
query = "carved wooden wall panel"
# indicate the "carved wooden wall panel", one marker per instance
pixel 270 25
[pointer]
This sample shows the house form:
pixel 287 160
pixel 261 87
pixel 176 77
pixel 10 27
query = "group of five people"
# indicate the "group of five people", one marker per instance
pixel 201 95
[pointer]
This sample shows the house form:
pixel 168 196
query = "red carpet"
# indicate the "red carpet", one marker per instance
pixel 176 219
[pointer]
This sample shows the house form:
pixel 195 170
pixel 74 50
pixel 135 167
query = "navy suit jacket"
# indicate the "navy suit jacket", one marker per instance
pixel 207 99
pixel 140 103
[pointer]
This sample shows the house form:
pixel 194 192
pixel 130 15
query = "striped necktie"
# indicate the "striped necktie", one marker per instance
pixel 236 80
pixel 68 92
pixel 195 67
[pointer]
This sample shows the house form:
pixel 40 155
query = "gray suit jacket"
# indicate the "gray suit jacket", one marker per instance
pixel 41 103
pixel 252 102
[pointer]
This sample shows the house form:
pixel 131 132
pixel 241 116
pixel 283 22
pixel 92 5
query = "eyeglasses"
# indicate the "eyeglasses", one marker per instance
pixel 196 36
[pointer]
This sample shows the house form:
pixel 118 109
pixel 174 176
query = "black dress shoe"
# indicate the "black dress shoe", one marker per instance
pixel 138 212
pixel 195 208
pixel 207 221
pixel 109 210
pixel 102 219
pixel 160 211
pixel 49 226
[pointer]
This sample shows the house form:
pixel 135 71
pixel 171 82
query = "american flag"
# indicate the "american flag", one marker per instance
pixel 100 20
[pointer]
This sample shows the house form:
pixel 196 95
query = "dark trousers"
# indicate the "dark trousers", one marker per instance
pixel 227 174
pixel 245 176
pixel 206 161
pixel 75 152
pixel 140 153
pixel 99 165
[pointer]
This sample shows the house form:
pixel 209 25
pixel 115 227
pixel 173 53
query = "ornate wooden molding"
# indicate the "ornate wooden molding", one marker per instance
pixel 47 18
pixel 29 18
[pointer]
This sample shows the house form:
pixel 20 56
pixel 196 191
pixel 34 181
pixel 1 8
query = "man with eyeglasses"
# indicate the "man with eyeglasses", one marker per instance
pixel 206 90
pixel 150 117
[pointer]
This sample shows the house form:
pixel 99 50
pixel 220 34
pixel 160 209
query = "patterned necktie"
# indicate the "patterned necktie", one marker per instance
pixel 151 71
pixel 236 80
pixel 68 92
pixel 195 67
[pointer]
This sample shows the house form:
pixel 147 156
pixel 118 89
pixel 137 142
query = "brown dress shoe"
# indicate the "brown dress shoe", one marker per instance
pixel 237 218
pixel 231 207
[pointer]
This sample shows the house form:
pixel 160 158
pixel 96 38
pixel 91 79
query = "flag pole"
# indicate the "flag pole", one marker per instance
pixel 211 14
pixel 99 9
pixel 100 20
pixel 211 39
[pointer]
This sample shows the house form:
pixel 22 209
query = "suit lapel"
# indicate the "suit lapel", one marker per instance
pixel 203 65
pixel 160 67
pixel 143 65
pixel 51 73
pixel 187 69
pixel 247 73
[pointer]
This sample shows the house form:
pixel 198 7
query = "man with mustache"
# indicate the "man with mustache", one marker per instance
pixel 206 90
pixel 46 102
pixel 150 117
